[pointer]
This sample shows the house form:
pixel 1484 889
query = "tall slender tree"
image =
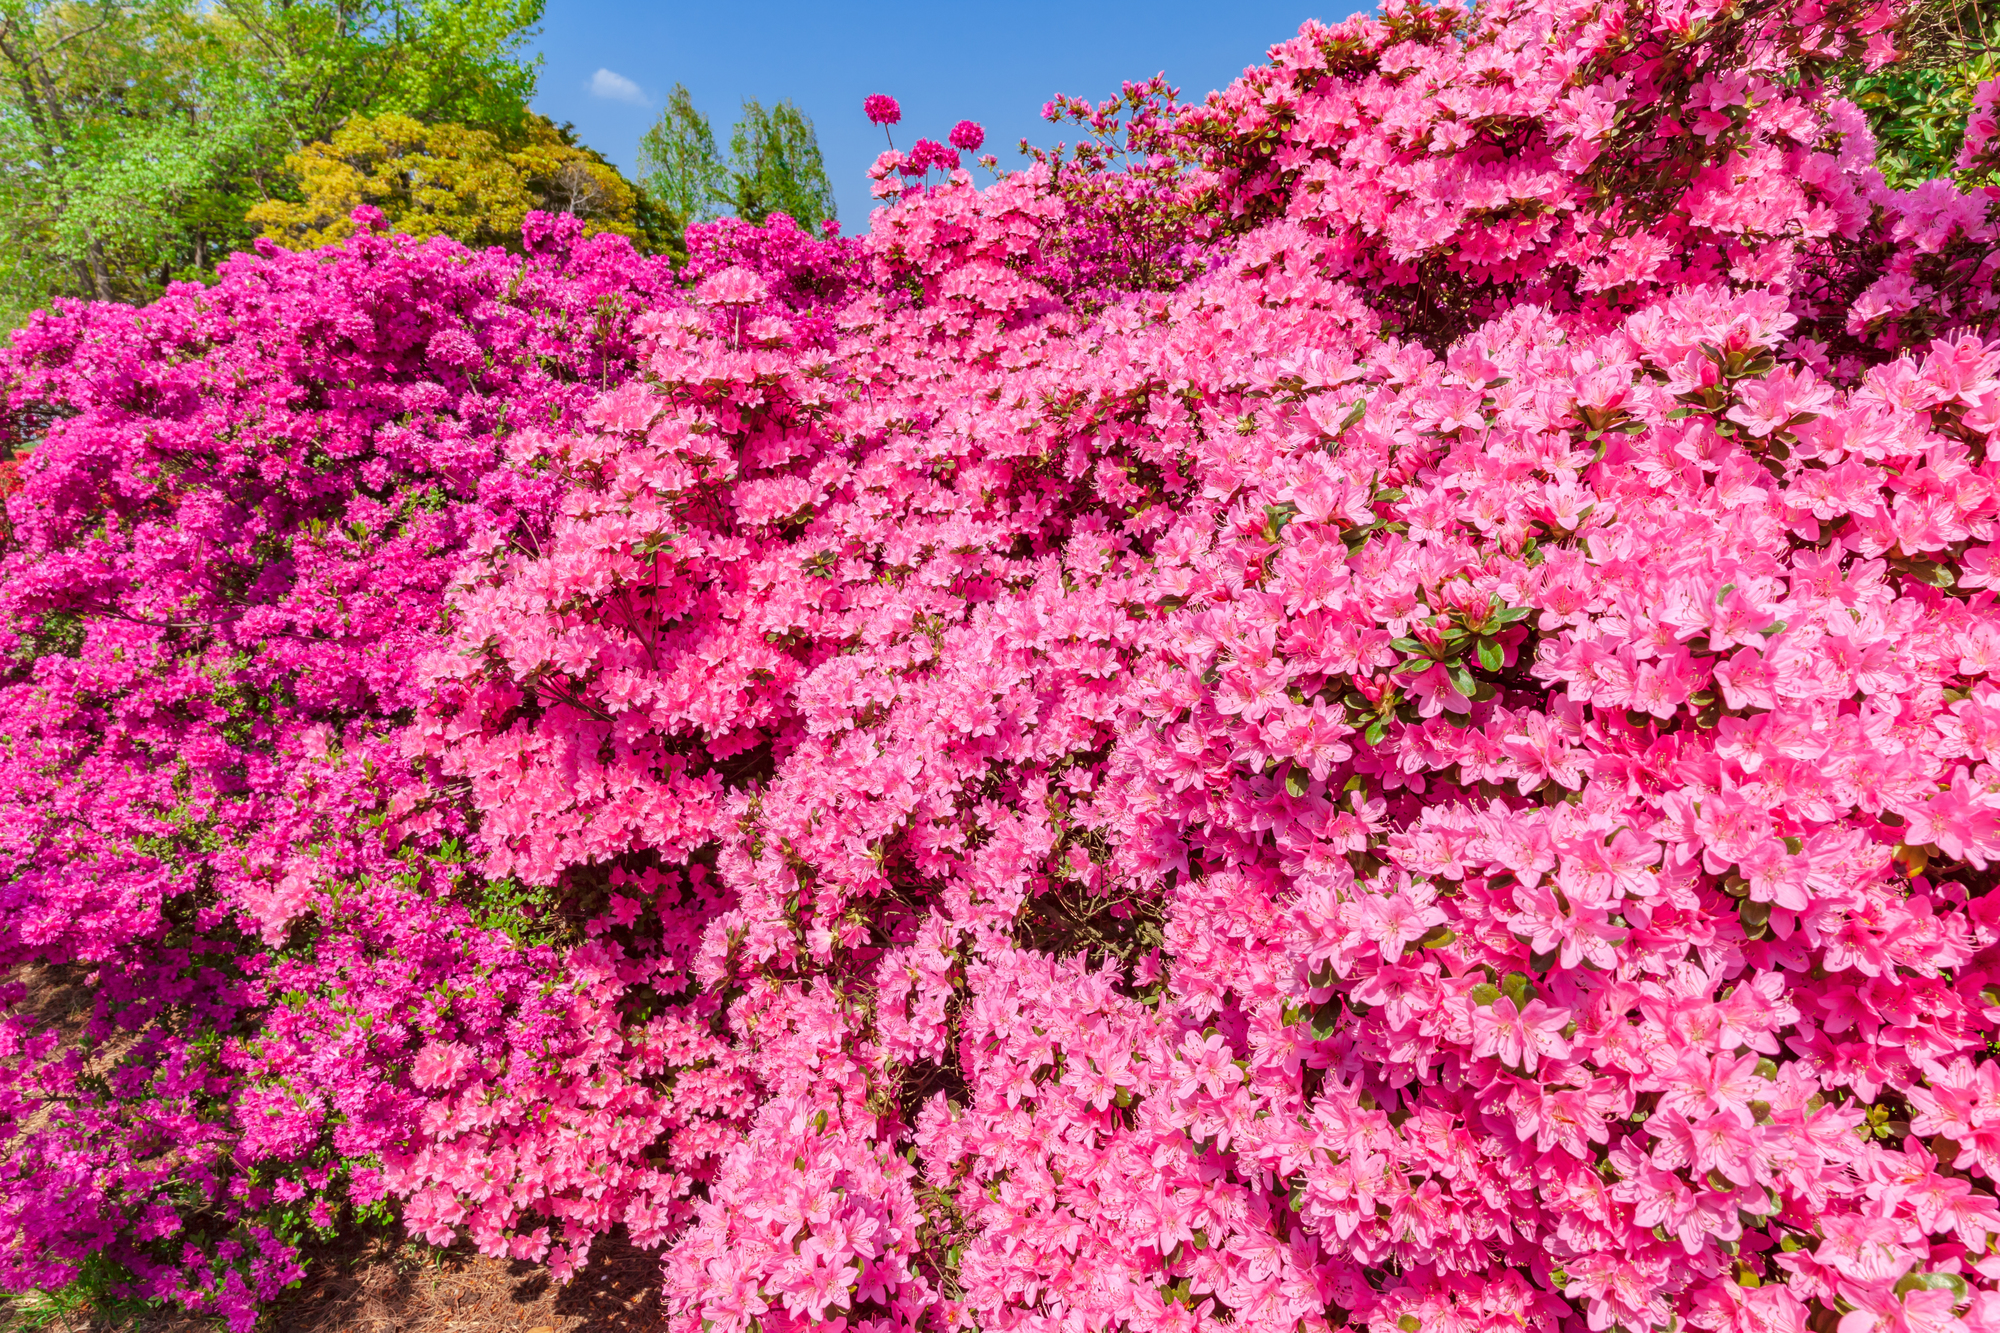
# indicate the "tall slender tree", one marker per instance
pixel 774 164
pixel 679 162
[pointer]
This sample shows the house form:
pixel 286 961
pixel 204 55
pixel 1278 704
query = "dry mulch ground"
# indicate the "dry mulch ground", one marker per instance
pixel 416 1289
pixel 378 1285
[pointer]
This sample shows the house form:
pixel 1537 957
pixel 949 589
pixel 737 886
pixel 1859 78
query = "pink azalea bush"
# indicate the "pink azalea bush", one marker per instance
pixel 1363 704
pixel 237 520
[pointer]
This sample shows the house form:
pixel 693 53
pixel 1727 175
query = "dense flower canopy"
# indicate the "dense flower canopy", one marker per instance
pixel 1362 704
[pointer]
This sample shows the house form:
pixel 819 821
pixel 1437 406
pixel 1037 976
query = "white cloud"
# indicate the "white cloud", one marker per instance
pixel 616 88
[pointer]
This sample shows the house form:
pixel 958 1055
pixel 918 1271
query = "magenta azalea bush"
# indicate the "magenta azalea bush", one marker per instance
pixel 1372 703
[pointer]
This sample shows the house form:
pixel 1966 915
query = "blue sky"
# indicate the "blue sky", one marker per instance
pixel 995 64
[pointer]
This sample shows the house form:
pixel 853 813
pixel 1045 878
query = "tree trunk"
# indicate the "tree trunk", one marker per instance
pixel 100 282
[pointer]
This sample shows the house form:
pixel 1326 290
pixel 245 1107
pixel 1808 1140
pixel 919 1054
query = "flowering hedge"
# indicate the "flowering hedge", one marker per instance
pixel 1362 704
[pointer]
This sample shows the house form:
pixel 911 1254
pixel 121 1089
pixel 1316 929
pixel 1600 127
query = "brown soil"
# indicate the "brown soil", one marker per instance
pixel 382 1286
pixel 412 1288
pixel 58 995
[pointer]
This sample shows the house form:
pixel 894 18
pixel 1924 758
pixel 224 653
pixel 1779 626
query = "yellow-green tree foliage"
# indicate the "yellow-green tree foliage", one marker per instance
pixel 446 180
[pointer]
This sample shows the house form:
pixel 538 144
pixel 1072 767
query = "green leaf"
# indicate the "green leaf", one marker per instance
pixel 1491 655
pixel 1276 517
pixel 1518 987
pixel 1437 937
pixel 1951 1282
pixel 1484 994
pixel 1295 781
pixel 1933 573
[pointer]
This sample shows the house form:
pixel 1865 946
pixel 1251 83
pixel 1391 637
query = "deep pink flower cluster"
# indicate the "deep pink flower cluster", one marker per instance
pixel 1420 762
pixel 805 277
pixel 967 134
pixel 929 153
pixel 897 174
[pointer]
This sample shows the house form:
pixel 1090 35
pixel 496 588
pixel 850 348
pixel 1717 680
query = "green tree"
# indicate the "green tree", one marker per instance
pixel 433 60
pixel 679 163
pixel 135 135
pixel 774 164
pixel 112 118
pixel 777 167
pixel 447 179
